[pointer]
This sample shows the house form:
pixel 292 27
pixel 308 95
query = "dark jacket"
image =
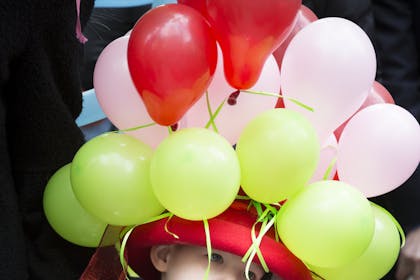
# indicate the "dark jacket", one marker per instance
pixel 104 26
pixel 358 11
pixel 40 97
pixel 397 37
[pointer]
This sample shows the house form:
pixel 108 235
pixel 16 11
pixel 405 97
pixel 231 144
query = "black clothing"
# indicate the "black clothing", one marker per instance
pixel 40 97
pixel 358 11
pixel 397 36
pixel 104 26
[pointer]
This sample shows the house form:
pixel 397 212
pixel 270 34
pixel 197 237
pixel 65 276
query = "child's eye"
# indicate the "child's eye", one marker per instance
pixel 251 275
pixel 216 258
pixel 268 276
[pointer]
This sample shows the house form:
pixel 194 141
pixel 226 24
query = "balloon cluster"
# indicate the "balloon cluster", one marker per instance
pixel 337 121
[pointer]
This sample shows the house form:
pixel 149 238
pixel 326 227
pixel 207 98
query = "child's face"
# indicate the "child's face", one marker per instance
pixel 180 262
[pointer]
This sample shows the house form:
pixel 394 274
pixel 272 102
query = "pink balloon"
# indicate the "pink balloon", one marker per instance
pixel 304 17
pixel 327 157
pixel 329 65
pixel 379 149
pixel 233 117
pixel 118 97
pixel 378 94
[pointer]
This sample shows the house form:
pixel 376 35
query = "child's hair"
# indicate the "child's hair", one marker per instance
pixel 229 232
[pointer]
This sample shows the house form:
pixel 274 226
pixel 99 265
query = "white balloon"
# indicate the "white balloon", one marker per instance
pixel 329 65
pixel 379 149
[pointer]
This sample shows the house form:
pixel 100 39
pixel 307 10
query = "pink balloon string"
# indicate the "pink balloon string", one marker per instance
pixel 82 39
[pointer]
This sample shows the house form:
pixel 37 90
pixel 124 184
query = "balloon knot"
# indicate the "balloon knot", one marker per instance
pixel 232 100
pixel 174 127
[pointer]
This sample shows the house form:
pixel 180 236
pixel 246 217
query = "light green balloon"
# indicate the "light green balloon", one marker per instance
pixel 65 214
pixel 110 177
pixel 327 224
pixel 378 258
pixel 278 152
pixel 195 173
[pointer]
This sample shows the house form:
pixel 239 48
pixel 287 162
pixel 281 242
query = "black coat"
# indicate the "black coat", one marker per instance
pixel 40 97
pixel 106 25
pixel 397 38
pixel 358 11
pixel 397 44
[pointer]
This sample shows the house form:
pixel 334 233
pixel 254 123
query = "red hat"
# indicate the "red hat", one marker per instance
pixel 229 232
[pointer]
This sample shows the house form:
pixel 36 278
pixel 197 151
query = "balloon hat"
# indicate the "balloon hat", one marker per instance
pixel 193 173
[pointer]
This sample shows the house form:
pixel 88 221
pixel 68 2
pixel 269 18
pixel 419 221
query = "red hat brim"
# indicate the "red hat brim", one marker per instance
pixel 229 232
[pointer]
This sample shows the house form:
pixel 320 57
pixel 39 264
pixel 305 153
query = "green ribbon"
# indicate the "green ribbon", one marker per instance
pixel 255 246
pixel 209 248
pixel 135 128
pixel 126 234
pixel 213 116
pixel 329 168
pixel 166 227
pixel 267 217
pixel 297 102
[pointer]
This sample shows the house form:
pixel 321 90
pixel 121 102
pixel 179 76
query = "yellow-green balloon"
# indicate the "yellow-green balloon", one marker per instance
pixel 195 173
pixel 65 214
pixel 378 258
pixel 110 177
pixel 327 224
pixel 278 152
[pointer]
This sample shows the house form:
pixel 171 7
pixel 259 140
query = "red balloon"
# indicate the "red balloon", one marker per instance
pixel 199 5
pixel 305 16
pixel 172 58
pixel 248 31
pixel 378 94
